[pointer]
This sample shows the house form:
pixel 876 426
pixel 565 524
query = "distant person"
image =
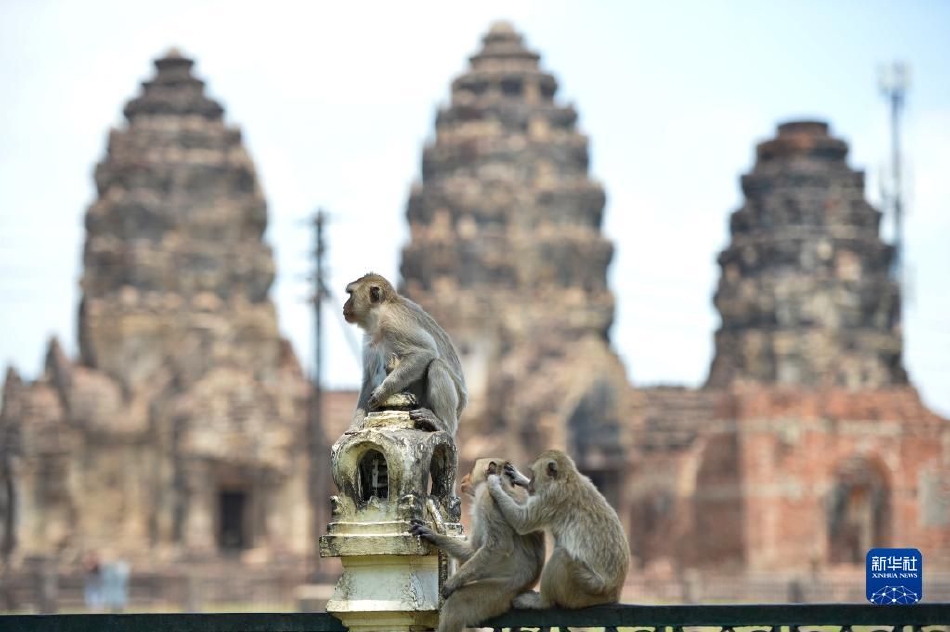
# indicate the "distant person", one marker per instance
pixel 92 581
pixel 115 585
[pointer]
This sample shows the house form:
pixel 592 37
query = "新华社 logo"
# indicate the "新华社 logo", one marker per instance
pixel 895 577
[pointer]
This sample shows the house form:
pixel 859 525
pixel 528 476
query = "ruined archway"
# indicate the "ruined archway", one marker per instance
pixel 858 509
pixel 595 442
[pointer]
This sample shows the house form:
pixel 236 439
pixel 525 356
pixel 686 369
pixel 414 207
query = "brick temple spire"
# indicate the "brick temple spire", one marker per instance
pixel 806 295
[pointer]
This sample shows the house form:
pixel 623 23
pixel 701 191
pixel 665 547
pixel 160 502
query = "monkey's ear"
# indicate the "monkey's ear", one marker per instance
pixel 375 294
pixel 552 469
pixel 492 468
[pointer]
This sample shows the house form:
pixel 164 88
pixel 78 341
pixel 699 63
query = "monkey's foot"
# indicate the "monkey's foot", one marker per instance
pixel 530 600
pixel 448 590
pixel 425 419
pixel 375 400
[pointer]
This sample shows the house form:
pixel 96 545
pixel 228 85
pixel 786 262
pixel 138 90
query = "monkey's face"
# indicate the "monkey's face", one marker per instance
pixel 466 486
pixel 349 309
pixel 544 472
pixel 365 294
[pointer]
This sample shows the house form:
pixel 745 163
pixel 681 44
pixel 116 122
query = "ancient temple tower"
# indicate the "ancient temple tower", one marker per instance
pixel 506 252
pixel 806 294
pixel 176 231
pixel 184 416
pixel 809 446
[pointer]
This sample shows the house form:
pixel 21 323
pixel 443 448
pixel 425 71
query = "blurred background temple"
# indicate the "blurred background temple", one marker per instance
pixel 178 438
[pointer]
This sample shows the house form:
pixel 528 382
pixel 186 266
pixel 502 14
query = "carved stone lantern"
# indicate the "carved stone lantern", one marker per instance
pixel 389 473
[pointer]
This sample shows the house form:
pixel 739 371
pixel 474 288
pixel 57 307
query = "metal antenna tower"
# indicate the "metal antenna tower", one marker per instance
pixel 894 81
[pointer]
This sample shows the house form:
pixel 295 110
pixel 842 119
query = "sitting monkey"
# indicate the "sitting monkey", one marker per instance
pixel 497 563
pixel 591 555
pixel 404 349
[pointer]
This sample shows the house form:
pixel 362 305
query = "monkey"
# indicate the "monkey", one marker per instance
pixel 497 563
pixel 591 556
pixel 404 348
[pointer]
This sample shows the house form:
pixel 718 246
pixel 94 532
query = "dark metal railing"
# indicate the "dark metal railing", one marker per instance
pixel 763 618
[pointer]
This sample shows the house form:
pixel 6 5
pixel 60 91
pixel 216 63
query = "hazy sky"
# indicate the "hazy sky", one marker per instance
pixel 337 99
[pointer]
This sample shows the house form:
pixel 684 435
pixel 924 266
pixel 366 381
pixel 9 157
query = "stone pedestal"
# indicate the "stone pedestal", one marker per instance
pixel 389 473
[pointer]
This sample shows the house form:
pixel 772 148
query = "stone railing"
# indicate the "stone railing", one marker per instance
pixel 762 618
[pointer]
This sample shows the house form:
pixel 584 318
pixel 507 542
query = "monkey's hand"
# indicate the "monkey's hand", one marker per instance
pixel 377 398
pixel 425 419
pixel 494 484
pixel 516 477
pixel 419 528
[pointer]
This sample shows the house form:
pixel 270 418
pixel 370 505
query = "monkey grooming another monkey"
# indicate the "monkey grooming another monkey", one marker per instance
pixel 401 339
pixel 591 556
pixel 497 563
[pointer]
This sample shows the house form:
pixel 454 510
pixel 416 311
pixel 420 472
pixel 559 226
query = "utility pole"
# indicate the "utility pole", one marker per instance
pixel 317 449
pixel 894 81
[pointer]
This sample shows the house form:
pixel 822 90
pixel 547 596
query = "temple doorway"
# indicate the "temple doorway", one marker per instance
pixel 233 514
pixel 858 511
pixel 595 443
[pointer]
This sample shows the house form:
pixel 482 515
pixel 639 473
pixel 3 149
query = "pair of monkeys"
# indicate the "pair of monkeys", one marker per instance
pixel 405 349
pixel 504 555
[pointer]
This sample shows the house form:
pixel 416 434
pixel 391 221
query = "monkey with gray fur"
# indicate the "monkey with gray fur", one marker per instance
pixel 591 555
pixel 498 564
pixel 404 349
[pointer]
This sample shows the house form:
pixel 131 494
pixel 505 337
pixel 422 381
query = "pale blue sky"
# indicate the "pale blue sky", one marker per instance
pixel 337 99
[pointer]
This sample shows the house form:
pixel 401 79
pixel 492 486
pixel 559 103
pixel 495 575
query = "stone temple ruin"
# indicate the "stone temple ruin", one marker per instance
pixel 808 446
pixel 177 432
pixel 184 416
pixel 506 251
pixel 806 294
